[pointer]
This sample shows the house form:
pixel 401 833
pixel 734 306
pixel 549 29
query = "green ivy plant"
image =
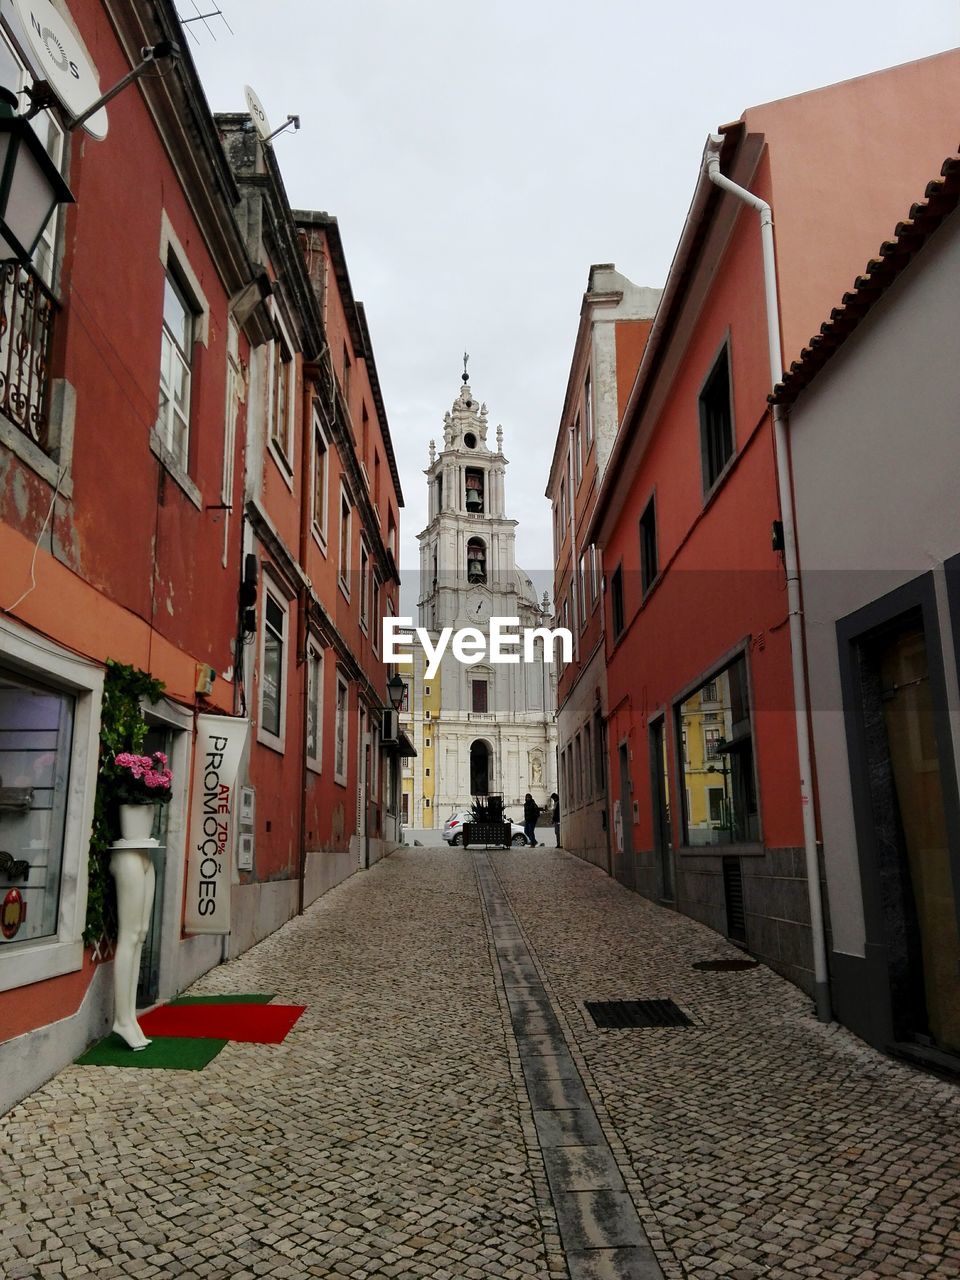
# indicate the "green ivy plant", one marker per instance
pixel 122 728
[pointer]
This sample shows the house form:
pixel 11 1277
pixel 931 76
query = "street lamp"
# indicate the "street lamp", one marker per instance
pixel 396 688
pixel 30 186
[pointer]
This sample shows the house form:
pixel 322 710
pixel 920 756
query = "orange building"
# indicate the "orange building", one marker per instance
pixel 615 320
pixel 193 485
pixel 688 513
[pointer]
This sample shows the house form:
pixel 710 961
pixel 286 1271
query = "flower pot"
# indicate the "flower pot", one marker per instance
pixel 136 821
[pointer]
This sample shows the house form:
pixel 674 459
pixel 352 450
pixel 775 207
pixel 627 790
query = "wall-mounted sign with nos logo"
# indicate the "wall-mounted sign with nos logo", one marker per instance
pixel 13 912
pixel 61 61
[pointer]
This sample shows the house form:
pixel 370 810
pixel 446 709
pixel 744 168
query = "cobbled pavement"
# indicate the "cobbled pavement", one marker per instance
pixel 390 1135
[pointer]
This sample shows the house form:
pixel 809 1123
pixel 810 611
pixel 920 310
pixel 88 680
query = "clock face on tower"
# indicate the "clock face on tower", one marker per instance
pixel 478 609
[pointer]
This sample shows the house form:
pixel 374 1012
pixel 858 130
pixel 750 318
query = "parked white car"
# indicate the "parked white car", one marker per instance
pixel 453 828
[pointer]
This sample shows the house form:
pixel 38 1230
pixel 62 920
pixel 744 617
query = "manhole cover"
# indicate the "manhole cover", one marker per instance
pixel 636 1013
pixel 725 966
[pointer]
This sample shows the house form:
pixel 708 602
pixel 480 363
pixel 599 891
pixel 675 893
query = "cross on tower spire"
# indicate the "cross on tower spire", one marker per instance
pixel 466 376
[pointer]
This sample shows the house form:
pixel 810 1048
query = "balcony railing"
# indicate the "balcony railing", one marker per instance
pixel 27 310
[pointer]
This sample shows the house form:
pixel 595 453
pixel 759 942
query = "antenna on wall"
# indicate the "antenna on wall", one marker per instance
pixel 203 17
pixel 259 117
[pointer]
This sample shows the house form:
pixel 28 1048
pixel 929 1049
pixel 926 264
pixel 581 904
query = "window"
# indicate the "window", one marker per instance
pixel 405 700
pixel 709 692
pixel 375 615
pixel 364 585
pixel 563 510
pixel 345 373
pixel 577 452
pixel 587 762
pixel 716 421
pixel 314 707
pixel 340 731
pixel 391 533
pixel 588 409
pixel 49 738
pixel 319 485
pixel 426 742
pixel 649 565
pixel 282 400
pixel 473 482
pixel 578 769
pixel 600 766
pixel 234 384
pixel 479 695
pixel 616 601
pixel 476 560
pixel 594 573
pixel 176 353
pixel 346 531
pixel 272 690
pixel 36 730
pixel 376 481
pixel 718 769
pixel 583 590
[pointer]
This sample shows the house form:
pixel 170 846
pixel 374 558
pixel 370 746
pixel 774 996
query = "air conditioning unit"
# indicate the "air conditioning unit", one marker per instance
pixel 390 729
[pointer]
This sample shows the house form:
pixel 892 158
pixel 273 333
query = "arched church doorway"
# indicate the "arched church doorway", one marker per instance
pixel 481 767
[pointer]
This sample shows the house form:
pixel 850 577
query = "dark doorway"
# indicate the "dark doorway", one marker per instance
pixel 480 768
pixel 662 833
pixel 902 775
pixel 625 872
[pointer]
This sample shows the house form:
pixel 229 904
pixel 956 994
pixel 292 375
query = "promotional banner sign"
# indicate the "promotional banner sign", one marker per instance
pixel 216 762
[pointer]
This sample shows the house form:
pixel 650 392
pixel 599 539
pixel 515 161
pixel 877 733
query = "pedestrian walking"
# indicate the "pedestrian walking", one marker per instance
pixel 531 812
pixel 556 816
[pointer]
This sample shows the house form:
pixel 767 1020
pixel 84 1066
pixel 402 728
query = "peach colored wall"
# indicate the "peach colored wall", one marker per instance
pixel 847 162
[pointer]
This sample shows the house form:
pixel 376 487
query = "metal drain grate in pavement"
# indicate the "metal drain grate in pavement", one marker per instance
pixel 726 966
pixel 636 1013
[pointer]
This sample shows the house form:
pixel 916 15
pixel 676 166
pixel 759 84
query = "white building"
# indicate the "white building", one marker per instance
pixel 490 726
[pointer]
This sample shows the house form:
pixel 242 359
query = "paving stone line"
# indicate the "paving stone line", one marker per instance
pixel 600 1228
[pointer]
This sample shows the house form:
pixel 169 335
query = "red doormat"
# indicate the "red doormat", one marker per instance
pixel 254 1023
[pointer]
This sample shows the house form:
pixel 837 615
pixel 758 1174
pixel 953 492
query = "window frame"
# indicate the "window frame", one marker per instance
pixel 341 731
pixel 272 593
pixel 315 654
pixel 282 447
pixel 319 527
pixel 345 545
pixel 365 587
pixel 618 613
pixel 649 547
pixel 171 251
pixel 713 478
pixel 30 655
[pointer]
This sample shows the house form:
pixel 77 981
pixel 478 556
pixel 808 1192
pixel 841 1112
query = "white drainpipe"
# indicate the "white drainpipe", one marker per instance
pixel 785 484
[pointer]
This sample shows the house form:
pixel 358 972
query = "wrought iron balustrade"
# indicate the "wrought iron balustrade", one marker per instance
pixel 27 311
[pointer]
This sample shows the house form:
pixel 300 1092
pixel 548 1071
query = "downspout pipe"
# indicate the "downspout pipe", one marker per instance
pixel 711 160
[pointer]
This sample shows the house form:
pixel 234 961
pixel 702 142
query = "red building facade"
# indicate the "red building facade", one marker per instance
pixel 159 480
pixel 701 726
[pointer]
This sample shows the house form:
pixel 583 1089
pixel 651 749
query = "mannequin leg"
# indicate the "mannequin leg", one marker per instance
pixel 134 875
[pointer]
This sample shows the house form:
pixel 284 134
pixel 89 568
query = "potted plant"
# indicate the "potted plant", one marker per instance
pixel 140 784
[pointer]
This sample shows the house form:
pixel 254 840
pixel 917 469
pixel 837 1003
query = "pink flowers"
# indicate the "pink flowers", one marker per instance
pixel 143 779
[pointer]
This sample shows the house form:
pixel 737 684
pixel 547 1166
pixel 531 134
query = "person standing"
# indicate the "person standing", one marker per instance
pixel 556 816
pixel 531 812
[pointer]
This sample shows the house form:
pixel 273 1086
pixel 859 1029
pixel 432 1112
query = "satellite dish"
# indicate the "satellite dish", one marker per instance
pixel 257 113
pixel 59 58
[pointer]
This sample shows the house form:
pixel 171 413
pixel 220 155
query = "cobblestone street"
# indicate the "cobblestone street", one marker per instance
pixel 402 1129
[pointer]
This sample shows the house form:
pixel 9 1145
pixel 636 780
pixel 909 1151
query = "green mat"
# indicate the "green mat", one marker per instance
pixel 165 1053
pixel 222 1000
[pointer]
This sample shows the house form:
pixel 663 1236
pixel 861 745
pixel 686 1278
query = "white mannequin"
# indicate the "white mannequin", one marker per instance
pixel 132 869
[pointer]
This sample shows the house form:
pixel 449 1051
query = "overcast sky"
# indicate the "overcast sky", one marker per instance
pixel 480 156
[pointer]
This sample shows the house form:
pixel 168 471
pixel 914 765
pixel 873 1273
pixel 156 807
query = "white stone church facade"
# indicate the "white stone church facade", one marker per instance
pixel 487 729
